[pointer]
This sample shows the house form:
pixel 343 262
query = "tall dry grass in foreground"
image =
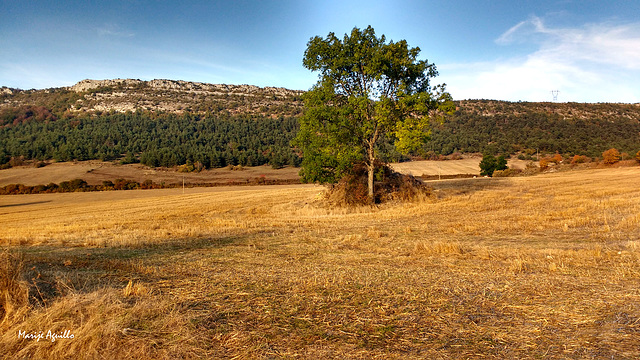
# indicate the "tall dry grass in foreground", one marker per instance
pixel 540 267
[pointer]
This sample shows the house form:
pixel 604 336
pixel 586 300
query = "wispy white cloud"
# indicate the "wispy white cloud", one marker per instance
pixel 114 30
pixel 590 63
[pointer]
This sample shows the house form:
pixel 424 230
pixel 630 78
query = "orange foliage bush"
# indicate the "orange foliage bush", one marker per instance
pixel 579 159
pixel 557 158
pixel 544 163
pixel 611 156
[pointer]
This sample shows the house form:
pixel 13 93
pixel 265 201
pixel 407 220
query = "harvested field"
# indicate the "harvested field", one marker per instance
pixel 95 172
pixel 449 167
pixel 523 268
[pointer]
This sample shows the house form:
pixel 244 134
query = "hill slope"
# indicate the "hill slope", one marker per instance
pixel 167 123
pixel 566 128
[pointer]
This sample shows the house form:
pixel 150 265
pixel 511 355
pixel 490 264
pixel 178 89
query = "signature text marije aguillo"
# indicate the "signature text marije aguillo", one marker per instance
pixel 49 335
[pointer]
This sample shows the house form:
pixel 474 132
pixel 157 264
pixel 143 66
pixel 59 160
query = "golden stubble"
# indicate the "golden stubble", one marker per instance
pixel 543 266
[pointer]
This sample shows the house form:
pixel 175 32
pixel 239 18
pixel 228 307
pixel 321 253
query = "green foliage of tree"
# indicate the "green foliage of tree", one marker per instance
pixel 368 88
pixel 501 163
pixel 490 164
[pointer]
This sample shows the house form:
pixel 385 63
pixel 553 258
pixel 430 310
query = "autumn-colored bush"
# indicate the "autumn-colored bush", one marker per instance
pixel 610 156
pixel 638 157
pixel 579 159
pixel 544 163
pixel 557 159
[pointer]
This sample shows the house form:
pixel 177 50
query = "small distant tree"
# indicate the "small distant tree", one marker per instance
pixel 610 156
pixel 490 163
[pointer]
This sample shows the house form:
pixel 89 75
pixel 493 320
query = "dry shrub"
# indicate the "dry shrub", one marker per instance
pixel 14 292
pixel 580 159
pixel 388 185
pixel 507 173
pixel 544 163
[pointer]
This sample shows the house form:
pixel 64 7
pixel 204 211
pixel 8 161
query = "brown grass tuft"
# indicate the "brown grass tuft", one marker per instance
pixel 14 291
pixel 439 247
pixel 134 290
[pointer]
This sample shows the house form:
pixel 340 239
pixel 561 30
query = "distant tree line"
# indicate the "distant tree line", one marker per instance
pixel 155 139
pixel 46 130
pixel 79 185
pixel 528 132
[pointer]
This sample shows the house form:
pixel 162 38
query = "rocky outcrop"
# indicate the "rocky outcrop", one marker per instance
pixel 182 86
pixel 178 96
pixel 88 84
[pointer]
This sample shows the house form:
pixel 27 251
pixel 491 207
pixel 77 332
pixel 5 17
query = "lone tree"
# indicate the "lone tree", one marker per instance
pixel 368 90
pixel 490 164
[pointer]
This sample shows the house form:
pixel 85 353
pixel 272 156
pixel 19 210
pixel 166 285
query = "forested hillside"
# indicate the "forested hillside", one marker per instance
pixel 168 123
pixel 158 122
pixel 510 128
pixel 156 139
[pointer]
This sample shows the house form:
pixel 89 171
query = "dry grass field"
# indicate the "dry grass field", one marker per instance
pixel 95 172
pixel 542 267
pixel 449 167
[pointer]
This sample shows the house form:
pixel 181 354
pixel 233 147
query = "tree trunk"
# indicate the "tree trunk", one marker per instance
pixel 371 166
pixel 370 183
pixel 371 169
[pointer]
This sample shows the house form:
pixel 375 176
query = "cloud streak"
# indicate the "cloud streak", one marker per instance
pixel 114 30
pixel 591 63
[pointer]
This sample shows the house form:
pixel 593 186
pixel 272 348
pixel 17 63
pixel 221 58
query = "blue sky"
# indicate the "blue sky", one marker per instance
pixel 505 50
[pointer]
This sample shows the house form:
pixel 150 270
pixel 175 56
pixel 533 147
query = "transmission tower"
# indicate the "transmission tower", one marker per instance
pixel 555 93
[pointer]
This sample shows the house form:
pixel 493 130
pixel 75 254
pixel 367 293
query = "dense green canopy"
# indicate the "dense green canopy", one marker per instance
pixel 368 89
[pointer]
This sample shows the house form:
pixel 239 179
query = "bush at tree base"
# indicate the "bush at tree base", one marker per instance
pixel 352 189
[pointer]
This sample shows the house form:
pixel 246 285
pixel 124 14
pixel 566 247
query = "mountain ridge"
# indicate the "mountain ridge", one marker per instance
pixel 121 95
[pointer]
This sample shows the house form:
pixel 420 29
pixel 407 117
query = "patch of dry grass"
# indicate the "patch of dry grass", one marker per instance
pixel 538 267
pixel 14 293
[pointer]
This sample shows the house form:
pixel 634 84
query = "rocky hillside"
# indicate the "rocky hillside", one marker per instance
pixel 121 95
pixel 108 110
pixel 564 111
